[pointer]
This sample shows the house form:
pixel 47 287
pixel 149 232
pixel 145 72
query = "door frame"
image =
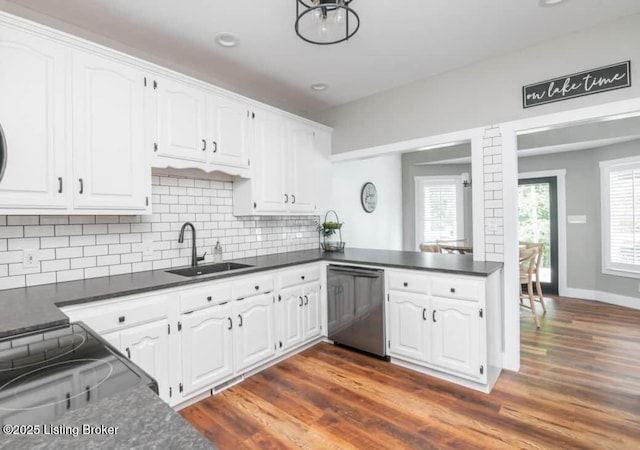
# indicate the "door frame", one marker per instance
pixel 561 202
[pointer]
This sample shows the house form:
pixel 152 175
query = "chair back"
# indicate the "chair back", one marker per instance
pixel 527 263
pixel 430 248
pixel 540 248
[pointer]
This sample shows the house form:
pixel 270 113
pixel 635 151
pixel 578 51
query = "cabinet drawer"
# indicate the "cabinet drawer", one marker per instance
pixel 122 314
pixel 295 277
pixel 252 286
pixel 452 287
pixel 408 282
pixel 199 298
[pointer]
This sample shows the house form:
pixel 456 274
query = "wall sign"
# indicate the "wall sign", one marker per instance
pixel 369 197
pixel 602 79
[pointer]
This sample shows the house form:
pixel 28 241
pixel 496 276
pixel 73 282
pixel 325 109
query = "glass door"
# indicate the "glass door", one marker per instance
pixel 538 222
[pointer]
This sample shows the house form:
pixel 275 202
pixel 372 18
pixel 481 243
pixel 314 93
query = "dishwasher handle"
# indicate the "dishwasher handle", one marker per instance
pixel 364 273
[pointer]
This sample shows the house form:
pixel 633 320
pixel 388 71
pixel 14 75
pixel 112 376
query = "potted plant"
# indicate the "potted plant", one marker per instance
pixel 329 228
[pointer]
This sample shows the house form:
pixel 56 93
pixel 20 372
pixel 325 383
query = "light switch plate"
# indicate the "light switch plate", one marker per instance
pixel 577 219
pixel 30 259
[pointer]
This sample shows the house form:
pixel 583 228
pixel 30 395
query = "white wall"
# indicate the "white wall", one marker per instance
pixel 381 229
pixel 485 93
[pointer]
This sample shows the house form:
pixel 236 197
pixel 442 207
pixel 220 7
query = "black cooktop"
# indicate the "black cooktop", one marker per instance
pixel 49 372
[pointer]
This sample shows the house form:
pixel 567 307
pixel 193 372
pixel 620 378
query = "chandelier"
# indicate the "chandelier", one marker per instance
pixel 325 22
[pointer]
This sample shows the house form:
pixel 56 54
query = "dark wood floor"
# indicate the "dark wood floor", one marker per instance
pixel 578 387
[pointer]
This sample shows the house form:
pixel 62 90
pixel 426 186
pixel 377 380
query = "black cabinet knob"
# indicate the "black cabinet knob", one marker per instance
pixel 453 290
pixel 257 288
pixel 406 284
pixel 121 319
pixel 209 298
pixel 302 277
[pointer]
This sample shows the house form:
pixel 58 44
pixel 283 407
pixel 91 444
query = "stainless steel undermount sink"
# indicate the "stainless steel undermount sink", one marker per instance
pixel 209 268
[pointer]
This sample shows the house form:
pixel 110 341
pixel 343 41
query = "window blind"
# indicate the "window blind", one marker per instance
pixel 440 217
pixel 624 215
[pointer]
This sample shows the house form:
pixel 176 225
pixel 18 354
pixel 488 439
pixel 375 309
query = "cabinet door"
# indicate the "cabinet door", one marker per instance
pixel 270 169
pixel 148 347
pixel 408 325
pixel 290 318
pixel 311 309
pixel 110 170
pixel 32 117
pixel 207 347
pixel 229 132
pixel 38 401
pixel 181 121
pixel 455 335
pixel 302 169
pixel 255 332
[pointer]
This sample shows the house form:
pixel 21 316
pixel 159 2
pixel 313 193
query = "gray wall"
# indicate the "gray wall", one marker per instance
pixel 485 93
pixel 584 263
pixel 411 170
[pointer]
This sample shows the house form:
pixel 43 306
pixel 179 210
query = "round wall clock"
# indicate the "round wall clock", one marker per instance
pixel 369 197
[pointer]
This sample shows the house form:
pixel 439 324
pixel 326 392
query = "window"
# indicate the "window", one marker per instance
pixel 620 183
pixel 439 209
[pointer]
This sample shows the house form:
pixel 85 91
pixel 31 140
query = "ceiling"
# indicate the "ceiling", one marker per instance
pixel 398 42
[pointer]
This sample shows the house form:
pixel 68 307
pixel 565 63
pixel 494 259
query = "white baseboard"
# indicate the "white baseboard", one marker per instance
pixel 605 297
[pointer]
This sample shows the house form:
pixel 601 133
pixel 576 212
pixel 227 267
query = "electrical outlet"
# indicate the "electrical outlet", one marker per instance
pixel 30 259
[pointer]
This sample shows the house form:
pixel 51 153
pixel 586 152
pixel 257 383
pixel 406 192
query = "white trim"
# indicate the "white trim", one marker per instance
pixel 433 142
pixel 418 182
pixel 477 194
pixel 509 131
pixel 561 193
pixel 605 297
pixel 607 266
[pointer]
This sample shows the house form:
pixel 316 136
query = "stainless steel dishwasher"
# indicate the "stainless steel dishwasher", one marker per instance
pixel 355 297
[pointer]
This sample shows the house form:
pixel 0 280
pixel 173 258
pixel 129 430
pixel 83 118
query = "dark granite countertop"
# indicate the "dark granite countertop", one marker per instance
pixel 31 308
pixel 142 418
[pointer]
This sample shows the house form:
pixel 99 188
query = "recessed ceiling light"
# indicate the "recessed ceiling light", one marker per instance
pixel 227 39
pixel 551 2
pixel 320 86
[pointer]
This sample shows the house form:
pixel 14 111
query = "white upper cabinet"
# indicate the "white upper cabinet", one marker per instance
pixel 284 181
pixel 270 171
pixel 32 117
pixel 302 189
pixel 198 128
pixel 108 135
pixel 229 132
pixel 181 121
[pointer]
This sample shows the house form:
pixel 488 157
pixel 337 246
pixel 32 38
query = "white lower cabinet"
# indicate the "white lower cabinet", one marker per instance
pixel 455 336
pixel 299 316
pixel 440 323
pixel 408 326
pixel 254 337
pixel 207 347
pixel 148 347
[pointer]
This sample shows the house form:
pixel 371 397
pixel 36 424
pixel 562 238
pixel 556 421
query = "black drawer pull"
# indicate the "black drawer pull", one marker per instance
pixel 406 284
pixel 68 400
pixel 230 323
pixel 121 319
pixel 453 290
pixel 300 301
pixel 88 389
pixel 306 300
pixel 433 316
pixel 424 313
pixel 209 298
pixel 240 323
pixel 128 353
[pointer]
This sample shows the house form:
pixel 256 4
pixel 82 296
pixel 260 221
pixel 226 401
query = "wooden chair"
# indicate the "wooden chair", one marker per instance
pixel 430 248
pixel 527 264
pixel 454 246
pixel 536 270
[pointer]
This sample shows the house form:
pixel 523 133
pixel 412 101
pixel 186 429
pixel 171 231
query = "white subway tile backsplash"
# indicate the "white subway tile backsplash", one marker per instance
pixel 77 247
